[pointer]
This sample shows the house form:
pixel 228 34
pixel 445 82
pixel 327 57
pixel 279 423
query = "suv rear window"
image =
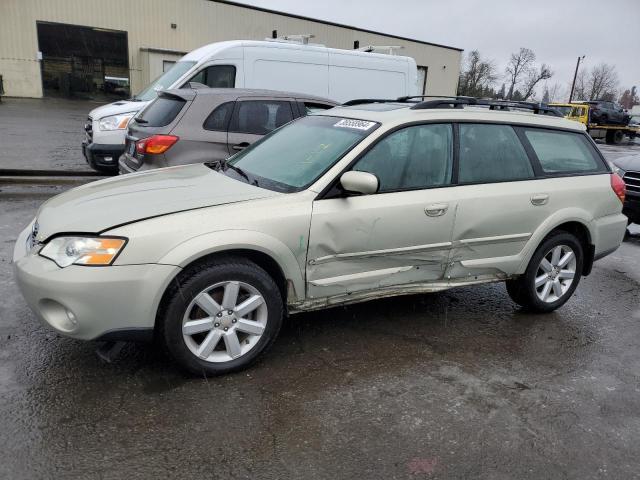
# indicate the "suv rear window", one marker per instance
pixel 162 111
pixel 560 152
pixel 491 153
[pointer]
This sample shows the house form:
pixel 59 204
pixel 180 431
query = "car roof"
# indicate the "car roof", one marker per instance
pixel 235 93
pixel 393 114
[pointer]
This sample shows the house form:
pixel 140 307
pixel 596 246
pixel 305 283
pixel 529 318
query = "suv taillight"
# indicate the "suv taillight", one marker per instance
pixel 156 144
pixel 617 184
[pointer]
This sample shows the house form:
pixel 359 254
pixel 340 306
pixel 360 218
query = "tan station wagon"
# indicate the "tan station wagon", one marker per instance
pixel 358 202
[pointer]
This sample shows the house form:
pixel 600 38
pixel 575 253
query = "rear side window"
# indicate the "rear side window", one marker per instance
pixel 563 152
pixel 259 117
pixel 162 111
pixel 219 118
pixel 216 76
pixel 491 153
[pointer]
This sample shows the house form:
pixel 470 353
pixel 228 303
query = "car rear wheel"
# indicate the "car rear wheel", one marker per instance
pixel 221 316
pixel 551 276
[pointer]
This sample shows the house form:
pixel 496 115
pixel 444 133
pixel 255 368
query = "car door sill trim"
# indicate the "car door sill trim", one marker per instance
pixel 501 238
pixel 388 251
pixel 324 282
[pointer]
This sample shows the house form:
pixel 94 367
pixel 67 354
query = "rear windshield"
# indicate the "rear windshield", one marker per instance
pixel 161 112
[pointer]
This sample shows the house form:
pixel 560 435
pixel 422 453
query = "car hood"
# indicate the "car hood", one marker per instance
pixel 628 162
pixel 101 205
pixel 115 108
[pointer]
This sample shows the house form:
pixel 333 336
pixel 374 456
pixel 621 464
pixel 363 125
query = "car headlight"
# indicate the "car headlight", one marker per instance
pixel 115 122
pixel 96 251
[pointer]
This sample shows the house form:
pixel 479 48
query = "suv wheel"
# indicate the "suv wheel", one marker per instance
pixel 221 316
pixel 551 276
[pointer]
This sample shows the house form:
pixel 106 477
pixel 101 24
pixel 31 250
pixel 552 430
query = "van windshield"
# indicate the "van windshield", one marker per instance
pixel 164 81
pixel 293 157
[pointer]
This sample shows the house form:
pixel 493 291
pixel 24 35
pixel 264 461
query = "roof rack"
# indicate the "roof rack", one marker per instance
pixel 441 101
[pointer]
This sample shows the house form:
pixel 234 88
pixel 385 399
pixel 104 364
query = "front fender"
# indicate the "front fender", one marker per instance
pixel 197 247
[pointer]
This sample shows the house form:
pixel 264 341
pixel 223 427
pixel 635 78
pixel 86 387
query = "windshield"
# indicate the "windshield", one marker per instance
pixel 563 109
pixel 164 81
pixel 296 155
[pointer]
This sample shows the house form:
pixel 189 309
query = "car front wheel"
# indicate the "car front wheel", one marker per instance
pixel 220 316
pixel 551 276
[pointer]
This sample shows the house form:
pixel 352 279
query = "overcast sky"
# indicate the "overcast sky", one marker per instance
pixel 558 31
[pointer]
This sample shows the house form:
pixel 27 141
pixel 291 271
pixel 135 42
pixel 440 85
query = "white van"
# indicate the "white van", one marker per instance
pixel 336 74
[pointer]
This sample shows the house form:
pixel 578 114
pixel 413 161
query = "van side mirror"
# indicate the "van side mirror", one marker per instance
pixel 363 183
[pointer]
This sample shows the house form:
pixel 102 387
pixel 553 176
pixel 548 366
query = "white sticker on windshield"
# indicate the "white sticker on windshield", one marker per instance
pixel 356 124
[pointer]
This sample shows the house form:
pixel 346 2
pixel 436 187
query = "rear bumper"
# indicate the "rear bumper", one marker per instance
pixel 102 156
pixel 609 233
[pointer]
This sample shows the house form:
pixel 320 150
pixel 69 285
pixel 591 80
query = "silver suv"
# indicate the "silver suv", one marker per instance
pixel 207 124
pixel 357 203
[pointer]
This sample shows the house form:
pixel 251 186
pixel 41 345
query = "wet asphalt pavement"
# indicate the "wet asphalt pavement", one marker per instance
pixel 459 384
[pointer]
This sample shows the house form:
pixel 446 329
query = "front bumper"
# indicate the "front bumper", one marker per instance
pixel 632 207
pixel 90 302
pixel 101 156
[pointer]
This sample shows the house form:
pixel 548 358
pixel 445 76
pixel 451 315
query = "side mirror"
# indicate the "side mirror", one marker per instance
pixel 363 183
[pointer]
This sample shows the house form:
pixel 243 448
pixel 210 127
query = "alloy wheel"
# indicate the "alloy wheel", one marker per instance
pixel 224 321
pixel 555 273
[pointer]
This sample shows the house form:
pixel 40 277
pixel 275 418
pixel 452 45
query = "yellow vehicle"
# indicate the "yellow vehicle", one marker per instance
pixel 563 108
pixel 579 112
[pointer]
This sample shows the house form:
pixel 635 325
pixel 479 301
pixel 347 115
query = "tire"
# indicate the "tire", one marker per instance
pixel 206 347
pixel 614 137
pixel 523 290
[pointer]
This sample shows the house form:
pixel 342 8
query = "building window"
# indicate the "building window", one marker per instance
pixel 422 80
pixel 167 64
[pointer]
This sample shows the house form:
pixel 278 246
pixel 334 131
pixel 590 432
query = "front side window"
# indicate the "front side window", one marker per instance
pixel 491 153
pixel 297 155
pixel 563 151
pixel 216 76
pixel 260 117
pixel 415 157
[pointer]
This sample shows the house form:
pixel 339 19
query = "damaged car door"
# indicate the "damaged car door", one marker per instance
pixel 401 234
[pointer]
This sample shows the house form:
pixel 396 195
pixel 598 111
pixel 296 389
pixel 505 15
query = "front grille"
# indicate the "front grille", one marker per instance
pixel 632 181
pixel 88 128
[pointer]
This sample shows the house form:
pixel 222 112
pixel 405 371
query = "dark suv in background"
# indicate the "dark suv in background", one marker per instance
pixel 607 113
pixel 207 124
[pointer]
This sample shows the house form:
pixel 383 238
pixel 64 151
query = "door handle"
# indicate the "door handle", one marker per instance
pixel 540 199
pixel 240 146
pixel 436 210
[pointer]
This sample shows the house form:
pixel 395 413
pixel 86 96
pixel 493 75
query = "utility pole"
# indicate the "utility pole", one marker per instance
pixel 575 76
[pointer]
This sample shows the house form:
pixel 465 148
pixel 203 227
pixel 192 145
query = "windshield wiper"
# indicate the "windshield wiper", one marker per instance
pixel 224 165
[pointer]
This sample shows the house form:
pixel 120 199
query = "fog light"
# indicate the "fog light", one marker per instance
pixel 58 316
pixel 108 159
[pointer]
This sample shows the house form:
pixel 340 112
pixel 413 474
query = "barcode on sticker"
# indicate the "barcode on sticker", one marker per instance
pixel 357 124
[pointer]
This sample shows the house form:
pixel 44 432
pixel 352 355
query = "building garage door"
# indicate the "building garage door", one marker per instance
pixel 83 61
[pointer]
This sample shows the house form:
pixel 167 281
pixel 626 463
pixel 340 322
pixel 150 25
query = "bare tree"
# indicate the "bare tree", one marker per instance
pixel 477 75
pixel 629 98
pixel 580 91
pixel 519 67
pixel 602 80
pixel 554 92
pixel 534 77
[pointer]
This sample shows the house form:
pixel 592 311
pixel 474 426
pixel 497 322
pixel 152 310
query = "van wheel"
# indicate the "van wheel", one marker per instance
pixel 221 316
pixel 551 276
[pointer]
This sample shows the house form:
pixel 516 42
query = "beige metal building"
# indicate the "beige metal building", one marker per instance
pixel 63 46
